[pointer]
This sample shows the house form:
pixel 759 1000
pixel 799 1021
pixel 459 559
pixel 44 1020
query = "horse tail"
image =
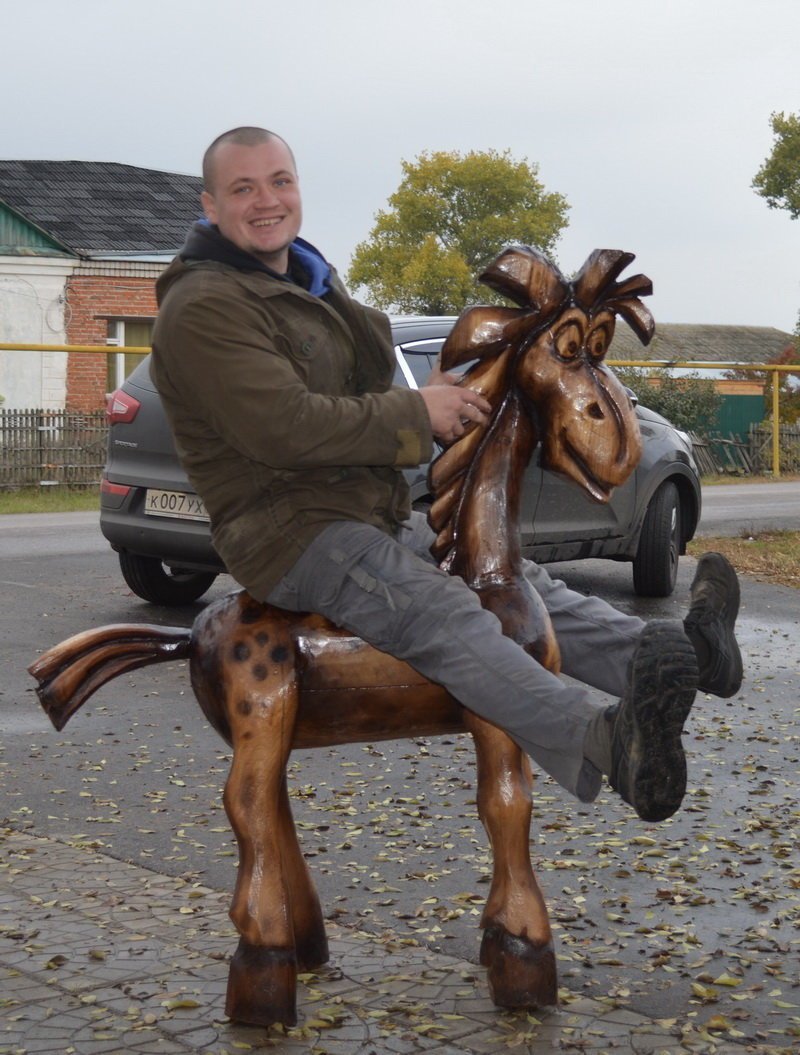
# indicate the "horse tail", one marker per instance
pixel 70 672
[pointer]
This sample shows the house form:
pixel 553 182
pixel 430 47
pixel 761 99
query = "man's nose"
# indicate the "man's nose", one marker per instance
pixel 266 196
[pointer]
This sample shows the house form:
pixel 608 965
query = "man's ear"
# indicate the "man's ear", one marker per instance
pixel 207 201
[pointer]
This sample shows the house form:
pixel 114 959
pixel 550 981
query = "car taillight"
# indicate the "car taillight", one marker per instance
pixel 121 408
pixel 118 490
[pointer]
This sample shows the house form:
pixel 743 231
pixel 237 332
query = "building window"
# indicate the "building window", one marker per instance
pixel 126 333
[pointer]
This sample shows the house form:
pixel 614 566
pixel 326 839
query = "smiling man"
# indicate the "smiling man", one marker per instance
pixel 278 388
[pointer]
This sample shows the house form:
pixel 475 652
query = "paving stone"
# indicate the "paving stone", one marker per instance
pixel 97 955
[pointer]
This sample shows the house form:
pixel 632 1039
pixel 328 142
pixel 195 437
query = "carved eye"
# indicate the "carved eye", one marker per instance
pixel 568 341
pixel 598 342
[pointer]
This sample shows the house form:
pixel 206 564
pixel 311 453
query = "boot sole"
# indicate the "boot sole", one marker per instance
pixel 651 772
pixel 725 679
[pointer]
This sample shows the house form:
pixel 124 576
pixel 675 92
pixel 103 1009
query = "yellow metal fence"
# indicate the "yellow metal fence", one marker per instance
pixel 774 370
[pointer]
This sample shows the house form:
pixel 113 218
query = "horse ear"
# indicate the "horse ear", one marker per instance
pixel 480 333
pixel 526 276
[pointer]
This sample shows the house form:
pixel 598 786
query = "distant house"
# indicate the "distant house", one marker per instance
pixel 81 245
pixel 676 342
pixel 743 398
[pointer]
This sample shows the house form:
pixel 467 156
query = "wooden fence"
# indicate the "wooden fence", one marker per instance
pixel 715 453
pixel 788 442
pixel 40 448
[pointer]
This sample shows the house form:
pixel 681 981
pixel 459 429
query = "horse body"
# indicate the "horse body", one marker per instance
pixel 348 692
pixel 270 681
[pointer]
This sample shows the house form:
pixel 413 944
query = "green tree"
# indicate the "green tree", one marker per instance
pixel 690 402
pixel 778 179
pixel 448 219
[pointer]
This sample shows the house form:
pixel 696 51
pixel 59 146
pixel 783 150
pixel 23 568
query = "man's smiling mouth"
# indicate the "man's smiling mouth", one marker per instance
pixel 267 223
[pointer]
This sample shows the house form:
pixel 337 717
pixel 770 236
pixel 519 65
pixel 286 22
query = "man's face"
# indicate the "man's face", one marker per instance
pixel 255 200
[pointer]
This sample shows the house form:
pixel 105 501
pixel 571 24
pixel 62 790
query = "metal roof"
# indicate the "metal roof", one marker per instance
pixel 96 207
pixel 700 342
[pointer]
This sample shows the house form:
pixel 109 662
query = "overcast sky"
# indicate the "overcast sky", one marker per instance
pixel 650 116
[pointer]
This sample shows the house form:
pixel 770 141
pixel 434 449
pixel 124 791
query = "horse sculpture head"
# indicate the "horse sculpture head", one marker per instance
pixel 542 367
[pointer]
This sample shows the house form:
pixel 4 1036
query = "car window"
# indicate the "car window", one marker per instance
pixel 415 361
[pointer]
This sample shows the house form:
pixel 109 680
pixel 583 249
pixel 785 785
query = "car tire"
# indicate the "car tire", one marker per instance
pixel 155 582
pixel 655 566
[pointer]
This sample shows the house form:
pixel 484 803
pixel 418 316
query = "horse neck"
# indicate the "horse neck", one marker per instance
pixel 487 548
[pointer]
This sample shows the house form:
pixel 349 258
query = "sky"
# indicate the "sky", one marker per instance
pixel 650 116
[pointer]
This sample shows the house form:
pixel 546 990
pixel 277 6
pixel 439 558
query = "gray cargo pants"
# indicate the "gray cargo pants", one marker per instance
pixel 390 592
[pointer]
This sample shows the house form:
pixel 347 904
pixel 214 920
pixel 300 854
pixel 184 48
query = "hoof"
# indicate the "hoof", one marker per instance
pixel 262 986
pixel 520 974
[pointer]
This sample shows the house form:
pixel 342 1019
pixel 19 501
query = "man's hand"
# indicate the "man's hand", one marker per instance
pixel 437 376
pixel 451 409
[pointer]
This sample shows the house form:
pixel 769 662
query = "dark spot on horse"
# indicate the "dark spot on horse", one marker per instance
pixel 245 707
pixel 241 651
pixel 251 614
pixel 247 736
pixel 280 654
pixel 262 638
pixel 259 671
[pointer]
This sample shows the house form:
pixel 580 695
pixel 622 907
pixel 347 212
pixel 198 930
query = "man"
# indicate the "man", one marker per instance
pixel 278 389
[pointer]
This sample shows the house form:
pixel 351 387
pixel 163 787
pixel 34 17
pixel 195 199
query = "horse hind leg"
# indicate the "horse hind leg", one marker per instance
pixel 310 939
pixel 262 980
pixel 517 946
pixel 261 705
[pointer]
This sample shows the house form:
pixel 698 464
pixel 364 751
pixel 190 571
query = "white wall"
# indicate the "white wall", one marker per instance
pixel 32 312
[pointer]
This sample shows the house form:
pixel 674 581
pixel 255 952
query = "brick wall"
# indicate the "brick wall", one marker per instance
pixel 91 300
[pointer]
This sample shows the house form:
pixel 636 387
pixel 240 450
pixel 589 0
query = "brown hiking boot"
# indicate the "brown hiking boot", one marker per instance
pixel 709 625
pixel 648 766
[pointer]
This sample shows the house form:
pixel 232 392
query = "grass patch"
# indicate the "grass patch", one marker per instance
pixel 49 500
pixel 744 478
pixel 771 556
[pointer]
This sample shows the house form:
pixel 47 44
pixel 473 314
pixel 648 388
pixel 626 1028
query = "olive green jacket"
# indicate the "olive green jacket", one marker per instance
pixel 282 411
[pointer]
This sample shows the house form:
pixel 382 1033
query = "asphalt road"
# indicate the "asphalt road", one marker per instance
pixel 739 509
pixel 646 915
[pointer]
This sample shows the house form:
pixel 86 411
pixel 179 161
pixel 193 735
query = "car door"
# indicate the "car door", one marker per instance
pixel 415 360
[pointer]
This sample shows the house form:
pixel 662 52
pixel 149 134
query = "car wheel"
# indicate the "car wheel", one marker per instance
pixel 155 582
pixel 655 566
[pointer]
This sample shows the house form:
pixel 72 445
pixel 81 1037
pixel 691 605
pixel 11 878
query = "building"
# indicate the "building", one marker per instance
pixel 743 397
pixel 81 245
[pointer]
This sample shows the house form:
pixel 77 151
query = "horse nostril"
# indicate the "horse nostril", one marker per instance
pixel 594 410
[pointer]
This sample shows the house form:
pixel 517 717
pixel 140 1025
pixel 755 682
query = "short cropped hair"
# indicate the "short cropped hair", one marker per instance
pixel 244 136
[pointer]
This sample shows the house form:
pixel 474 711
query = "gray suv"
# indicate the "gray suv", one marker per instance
pixel 159 527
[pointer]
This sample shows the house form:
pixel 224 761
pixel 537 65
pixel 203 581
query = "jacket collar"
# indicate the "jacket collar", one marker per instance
pixel 308 268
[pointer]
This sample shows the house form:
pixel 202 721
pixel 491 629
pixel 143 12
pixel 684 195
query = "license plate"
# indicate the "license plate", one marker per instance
pixel 176 504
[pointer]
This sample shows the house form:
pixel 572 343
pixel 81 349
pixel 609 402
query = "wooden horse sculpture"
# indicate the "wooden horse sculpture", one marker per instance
pixel 269 680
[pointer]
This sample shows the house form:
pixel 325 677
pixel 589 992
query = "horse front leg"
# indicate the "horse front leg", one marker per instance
pixel 263 972
pixel 517 946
